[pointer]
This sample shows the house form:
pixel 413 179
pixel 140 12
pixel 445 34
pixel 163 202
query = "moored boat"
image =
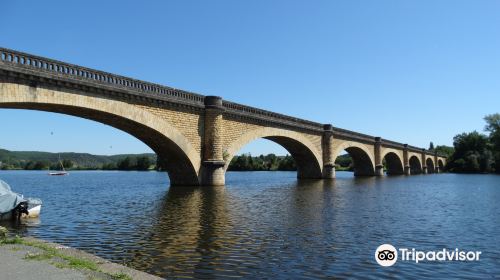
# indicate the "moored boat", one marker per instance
pixel 15 206
pixel 59 173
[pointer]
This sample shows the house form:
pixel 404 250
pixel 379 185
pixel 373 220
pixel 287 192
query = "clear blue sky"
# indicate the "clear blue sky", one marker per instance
pixel 409 71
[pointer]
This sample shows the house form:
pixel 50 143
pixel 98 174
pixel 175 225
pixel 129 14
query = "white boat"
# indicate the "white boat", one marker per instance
pixel 59 173
pixel 14 205
pixel 33 212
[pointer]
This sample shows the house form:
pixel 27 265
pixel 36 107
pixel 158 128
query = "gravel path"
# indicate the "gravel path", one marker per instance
pixel 14 265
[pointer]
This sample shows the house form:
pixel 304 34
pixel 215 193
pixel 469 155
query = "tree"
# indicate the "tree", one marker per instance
pixel 125 164
pixel 143 163
pixel 444 150
pixel 287 164
pixel 471 153
pixel 270 162
pixel 67 163
pixel 493 127
pixel 492 123
pixel 344 161
pixel 109 166
pixel 39 165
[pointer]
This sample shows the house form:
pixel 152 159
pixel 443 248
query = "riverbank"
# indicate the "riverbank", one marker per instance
pixel 31 258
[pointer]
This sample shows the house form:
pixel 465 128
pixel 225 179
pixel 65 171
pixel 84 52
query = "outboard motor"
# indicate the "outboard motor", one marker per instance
pixel 21 208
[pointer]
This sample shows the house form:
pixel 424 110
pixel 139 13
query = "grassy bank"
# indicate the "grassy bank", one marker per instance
pixel 63 257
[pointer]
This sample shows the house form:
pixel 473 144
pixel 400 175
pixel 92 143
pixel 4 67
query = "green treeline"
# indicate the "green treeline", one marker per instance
pixel 475 152
pixel 344 163
pixel 141 163
pixel 270 162
pixel 10 160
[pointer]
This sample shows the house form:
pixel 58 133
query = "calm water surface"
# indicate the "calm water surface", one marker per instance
pixel 269 225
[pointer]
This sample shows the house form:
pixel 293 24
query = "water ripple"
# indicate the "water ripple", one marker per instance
pixel 268 225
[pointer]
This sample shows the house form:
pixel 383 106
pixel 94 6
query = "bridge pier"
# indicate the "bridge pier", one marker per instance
pixel 407 170
pixel 212 169
pixel 328 156
pixel 379 167
pixel 424 163
pixel 436 165
pixel 406 160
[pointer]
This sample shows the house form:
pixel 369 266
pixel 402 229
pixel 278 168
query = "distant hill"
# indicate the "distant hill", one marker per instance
pixel 82 160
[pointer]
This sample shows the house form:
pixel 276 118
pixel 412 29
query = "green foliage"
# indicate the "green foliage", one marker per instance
pixel 143 163
pixel 270 162
pixel 493 127
pixel 344 163
pixel 444 150
pixel 10 160
pixel 67 163
pixel 472 154
pixel 15 240
pixel 3 233
pixel 36 165
pixel 492 123
pixel 287 164
pixel 109 166
pixel 125 164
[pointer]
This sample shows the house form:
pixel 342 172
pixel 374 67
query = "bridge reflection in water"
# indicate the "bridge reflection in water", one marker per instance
pixel 214 232
pixel 189 231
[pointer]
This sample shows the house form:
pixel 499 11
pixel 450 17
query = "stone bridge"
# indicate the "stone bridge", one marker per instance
pixel 196 135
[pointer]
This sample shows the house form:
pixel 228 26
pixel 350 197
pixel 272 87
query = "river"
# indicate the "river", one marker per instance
pixel 268 224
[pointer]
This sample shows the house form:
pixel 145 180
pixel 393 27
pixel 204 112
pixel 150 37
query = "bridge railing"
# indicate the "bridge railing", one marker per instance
pixel 350 134
pixel 393 144
pixel 409 147
pixel 24 61
pixel 271 116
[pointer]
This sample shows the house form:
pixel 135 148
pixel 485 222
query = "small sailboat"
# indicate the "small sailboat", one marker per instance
pixel 59 173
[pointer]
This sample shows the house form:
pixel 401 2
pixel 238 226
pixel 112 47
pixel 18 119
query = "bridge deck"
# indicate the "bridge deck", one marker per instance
pixel 35 69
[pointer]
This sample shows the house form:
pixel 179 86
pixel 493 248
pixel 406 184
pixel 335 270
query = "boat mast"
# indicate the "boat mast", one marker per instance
pixel 62 166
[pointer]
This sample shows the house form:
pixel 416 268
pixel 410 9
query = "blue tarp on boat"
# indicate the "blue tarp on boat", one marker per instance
pixel 8 199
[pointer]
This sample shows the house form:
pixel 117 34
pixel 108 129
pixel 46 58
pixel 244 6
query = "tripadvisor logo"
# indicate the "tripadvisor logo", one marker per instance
pixel 387 255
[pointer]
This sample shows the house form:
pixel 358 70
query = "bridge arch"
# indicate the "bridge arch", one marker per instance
pixel 440 164
pixel 182 160
pixel 393 161
pixel 429 162
pixel 362 157
pixel 415 165
pixel 303 151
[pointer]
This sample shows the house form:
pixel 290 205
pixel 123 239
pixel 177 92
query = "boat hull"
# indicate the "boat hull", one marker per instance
pixel 58 173
pixel 32 213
